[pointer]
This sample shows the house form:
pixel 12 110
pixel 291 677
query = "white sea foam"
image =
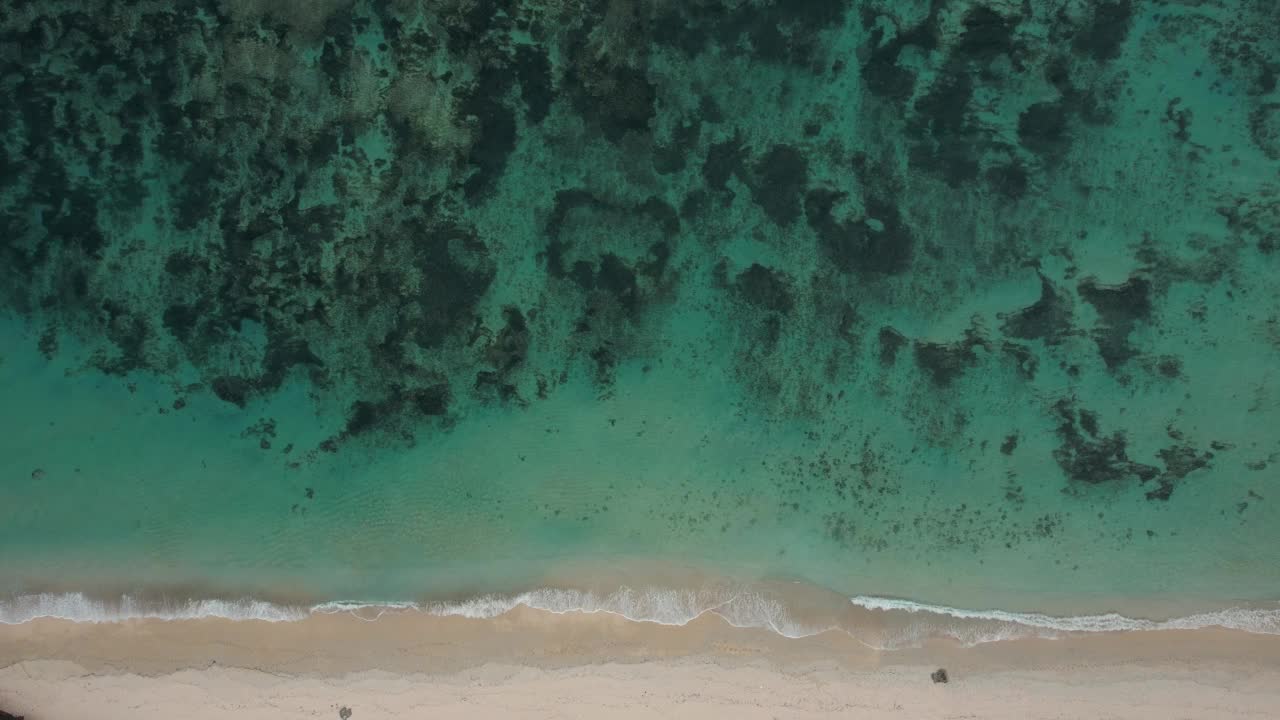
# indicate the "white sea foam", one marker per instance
pixel 81 608
pixel 1009 625
pixel 740 607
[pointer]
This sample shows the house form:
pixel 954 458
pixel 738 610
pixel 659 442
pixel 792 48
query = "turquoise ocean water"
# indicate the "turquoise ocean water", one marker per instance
pixel 972 303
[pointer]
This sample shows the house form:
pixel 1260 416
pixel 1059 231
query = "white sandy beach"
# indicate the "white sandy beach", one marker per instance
pixel 686 689
pixel 530 664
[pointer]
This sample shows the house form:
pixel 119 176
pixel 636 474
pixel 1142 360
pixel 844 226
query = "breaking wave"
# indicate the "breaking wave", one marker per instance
pixel 665 607
pixel 741 608
pixel 1253 620
pixel 79 607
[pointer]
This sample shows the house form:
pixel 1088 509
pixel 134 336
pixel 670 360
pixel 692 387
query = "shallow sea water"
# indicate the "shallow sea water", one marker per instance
pixel 971 303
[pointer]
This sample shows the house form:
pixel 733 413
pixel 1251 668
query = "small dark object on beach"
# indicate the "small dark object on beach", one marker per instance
pixel 6 716
pixel 344 713
pixel 940 675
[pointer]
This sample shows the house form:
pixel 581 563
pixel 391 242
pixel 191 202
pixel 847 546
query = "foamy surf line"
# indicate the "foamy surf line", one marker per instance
pixel 738 607
pixel 1255 620
pixel 744 609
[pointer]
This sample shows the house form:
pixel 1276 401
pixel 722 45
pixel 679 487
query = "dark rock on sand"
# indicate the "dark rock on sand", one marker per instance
pixel 232 389
pixel 944 362
pixel 890 342
pixel 1120 308
pixel 1088 456
pixel 1048 318
pixel 940 676
pixel 765 288
pixel 1010 444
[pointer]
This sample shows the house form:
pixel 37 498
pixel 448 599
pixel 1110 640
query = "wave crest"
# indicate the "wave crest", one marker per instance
pixel 79 607
pixel 744 609
pixel 740 607
pixel 1253 620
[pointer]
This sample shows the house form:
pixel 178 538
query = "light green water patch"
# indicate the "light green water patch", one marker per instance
pixel 100 481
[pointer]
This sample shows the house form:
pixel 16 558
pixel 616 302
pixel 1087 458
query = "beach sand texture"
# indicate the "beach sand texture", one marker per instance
pixel 537 665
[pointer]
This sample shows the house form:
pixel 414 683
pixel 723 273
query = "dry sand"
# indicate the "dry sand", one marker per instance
pixel 532 664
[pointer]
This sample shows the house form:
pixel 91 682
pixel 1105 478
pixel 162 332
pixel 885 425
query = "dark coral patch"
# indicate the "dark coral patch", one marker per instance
pixel 779 179
pixel 533 69
pixel 883 76
pixel 47 344
pixel 1264 128
pixel 1009 180
pixel 891 341
pixel 365 416
pixel 809 15
pixel 1043 128
pixel 1049 318
pixel 566 201
pixel 765 288
pixel 129 332
pixel 987 34
pixel 497 129
pixel 944 111
pixel 662 214
pixel 472 26
pixel 672 29
pixel 780 32
pixel 1103 37
pixel 455 271
pixel 879 244
pixel 1009 445
pixel 1169 367
pixel 617 98
pixel 489 386
pixel 947 146
pixel 630 104
pixel 944 362
pixel 181 320
pixel 572 226
pixel 432 400
pixel 1027 362
pixel 619 280
pixel 724 160
pixel 283 353
pixel 655 265
pixel 605 362
pixel 1179 462
pixel 674 155
pixel 232 389
pixel 509 348
pixel 1123 304
pixel 1120 308
pixel 1094 460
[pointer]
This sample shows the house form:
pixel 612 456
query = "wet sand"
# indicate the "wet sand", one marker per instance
pixel 530 663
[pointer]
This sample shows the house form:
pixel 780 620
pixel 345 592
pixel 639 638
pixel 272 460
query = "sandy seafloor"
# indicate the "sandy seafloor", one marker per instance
pixel 786 310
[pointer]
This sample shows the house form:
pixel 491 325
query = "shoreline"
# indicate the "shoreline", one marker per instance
pixel 789 609
pixel 541 664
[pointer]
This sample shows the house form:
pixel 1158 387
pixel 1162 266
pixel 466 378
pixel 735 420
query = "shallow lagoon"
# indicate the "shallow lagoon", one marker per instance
pixel 973 305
